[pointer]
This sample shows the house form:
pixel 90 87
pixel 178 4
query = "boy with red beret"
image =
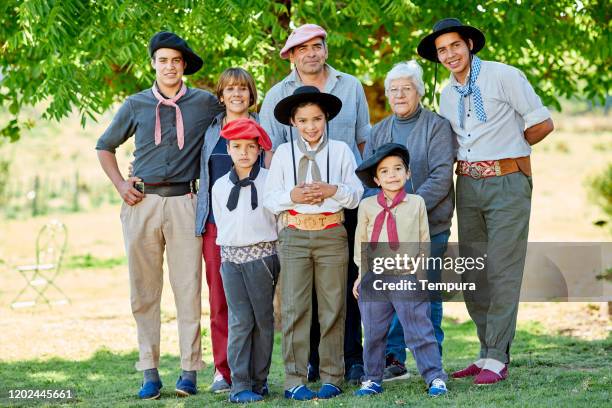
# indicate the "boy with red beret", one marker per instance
pixel 250 267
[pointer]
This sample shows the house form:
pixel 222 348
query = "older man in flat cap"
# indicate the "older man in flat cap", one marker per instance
pixel 306 49
pixel 168 122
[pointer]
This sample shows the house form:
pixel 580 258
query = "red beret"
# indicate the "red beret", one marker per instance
pixel 244 128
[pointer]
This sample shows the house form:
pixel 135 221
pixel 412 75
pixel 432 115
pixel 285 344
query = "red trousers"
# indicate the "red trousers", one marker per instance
pixel 216 299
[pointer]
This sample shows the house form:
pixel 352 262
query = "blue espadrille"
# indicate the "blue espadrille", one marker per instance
pixel 185 388
pixel 300 393
pixel 150 390
pixel 244 397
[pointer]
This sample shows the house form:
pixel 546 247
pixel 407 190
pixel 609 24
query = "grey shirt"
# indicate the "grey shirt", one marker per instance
pixel 163 162
pixel 352 125
pixel 432 154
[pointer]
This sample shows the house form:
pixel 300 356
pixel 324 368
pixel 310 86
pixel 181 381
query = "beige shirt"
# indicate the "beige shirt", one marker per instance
pixel 410 217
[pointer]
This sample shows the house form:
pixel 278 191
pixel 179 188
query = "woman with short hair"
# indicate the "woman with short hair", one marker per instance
pixel 236 91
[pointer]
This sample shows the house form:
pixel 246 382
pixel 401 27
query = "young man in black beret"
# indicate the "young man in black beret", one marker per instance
pixel 168 122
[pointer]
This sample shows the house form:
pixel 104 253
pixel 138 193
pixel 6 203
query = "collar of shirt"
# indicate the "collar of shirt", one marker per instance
pixel 453 81
pixel 332 78
pixel 315 146
pixel 164 95
pixel 405 199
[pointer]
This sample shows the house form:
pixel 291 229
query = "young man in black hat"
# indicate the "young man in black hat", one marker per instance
pixel 497 116
pixel 168 122
pixel 310 183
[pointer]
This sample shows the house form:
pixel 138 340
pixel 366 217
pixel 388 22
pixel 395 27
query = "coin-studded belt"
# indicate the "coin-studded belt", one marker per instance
pixel 488 168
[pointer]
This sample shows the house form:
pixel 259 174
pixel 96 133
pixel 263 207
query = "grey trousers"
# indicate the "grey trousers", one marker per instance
pixel 414 316
pixel 493 215
pixel 249 291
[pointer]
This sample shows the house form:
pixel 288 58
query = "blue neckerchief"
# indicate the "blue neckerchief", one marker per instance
pixel 471 88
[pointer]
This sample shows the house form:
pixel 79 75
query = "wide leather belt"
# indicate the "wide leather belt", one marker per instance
pixel 311 222
pixel 167 189
pixel 493 168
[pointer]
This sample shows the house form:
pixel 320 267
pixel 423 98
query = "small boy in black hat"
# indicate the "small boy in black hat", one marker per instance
pixel 158 213
pixel 311 181
pixel 395 217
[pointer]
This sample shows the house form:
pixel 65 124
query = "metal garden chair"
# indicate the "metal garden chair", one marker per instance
pixel 40 277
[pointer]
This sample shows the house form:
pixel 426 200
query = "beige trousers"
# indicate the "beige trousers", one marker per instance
pixel 148 227
pixel 319 259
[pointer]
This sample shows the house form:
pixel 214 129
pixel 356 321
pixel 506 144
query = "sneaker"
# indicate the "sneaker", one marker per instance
pixel 437 388
pixel 300 393
pixel 219 385
pixel 394 370
pixel 185 388
pixel 470 371
pixel 313 373
pixel 244 397
pixel 263 391
pixel 328 391
pixel 488 377
pixel 369 388
pixel 150 390
pixel 354 374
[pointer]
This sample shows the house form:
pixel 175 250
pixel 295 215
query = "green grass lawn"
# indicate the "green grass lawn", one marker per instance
pixel 547 370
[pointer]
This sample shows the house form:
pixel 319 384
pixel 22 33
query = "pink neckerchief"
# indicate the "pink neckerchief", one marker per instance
pixel 180 133
pixel 380 220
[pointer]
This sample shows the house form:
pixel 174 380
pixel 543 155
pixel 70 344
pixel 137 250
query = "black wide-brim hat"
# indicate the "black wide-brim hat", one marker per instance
pixel 427 46
pixel 165 39
pixel 330 104
pixel 367 169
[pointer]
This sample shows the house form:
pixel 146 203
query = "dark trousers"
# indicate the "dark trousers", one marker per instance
pixel 249 290
pixel 493 218
pixel 353 350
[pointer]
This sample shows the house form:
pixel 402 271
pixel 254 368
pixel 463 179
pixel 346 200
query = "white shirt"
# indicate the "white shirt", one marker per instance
pixel 243 226
pixel 511 106
pixel 280 181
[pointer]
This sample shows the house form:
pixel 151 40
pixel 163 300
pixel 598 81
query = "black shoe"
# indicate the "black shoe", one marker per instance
pixel 313 373
pixel 354 374
pixel 394 370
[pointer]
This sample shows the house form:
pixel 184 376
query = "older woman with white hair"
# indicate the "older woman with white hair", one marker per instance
pixel 430 141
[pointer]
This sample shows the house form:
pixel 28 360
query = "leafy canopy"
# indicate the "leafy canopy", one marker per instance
pixel 87 54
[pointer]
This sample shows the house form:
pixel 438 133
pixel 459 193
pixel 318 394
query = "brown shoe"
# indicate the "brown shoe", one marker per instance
pixel 470 371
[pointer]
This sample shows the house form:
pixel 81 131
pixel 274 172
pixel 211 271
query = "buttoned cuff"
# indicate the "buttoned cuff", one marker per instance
pixel 285 199
pixel 341 192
